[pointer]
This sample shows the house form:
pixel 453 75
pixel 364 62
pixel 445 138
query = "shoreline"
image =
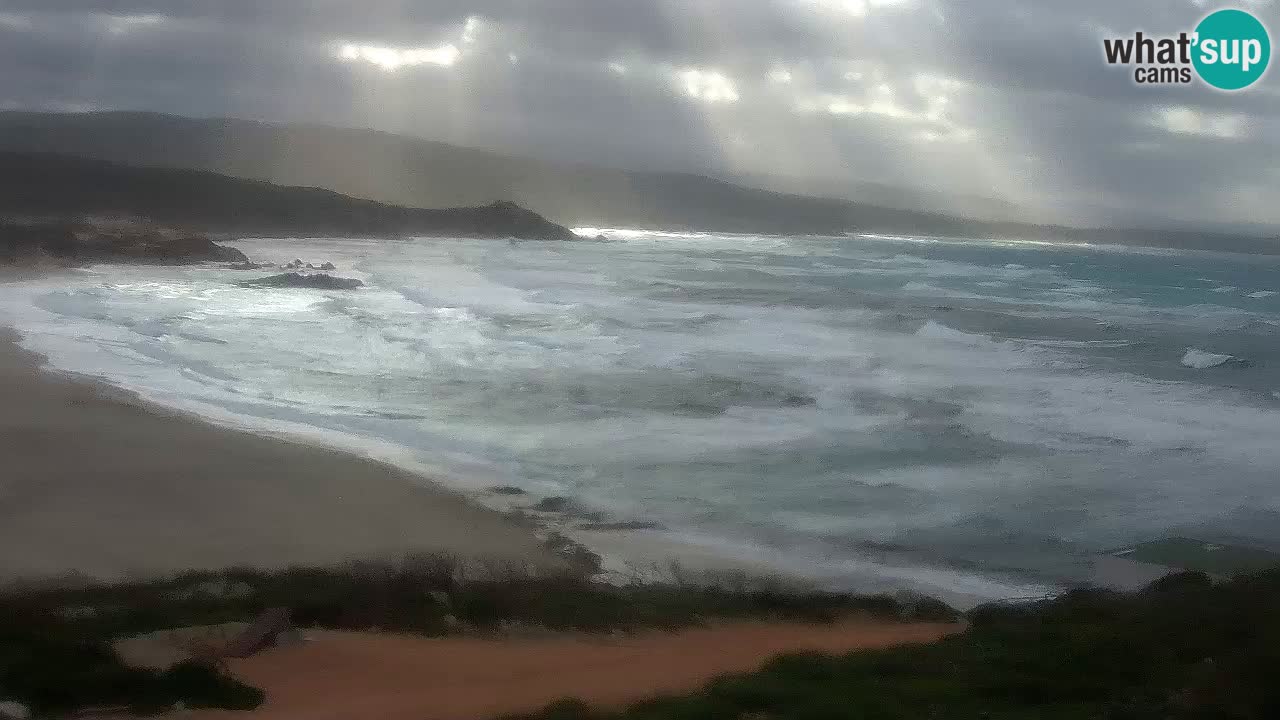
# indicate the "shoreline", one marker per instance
pixel 102 483
pixel 472 524
pixel 626 553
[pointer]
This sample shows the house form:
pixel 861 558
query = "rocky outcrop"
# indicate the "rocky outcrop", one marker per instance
pixel 507 219
pixel 299 265
pixel 318 281
pixel 81 244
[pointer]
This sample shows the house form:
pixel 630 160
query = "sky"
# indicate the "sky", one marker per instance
pixel 1008 99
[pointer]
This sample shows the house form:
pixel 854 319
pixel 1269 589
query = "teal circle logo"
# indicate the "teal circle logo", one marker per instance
pixel 1232 49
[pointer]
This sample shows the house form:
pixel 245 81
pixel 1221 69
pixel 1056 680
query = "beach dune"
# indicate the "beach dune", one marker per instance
pixel 94 481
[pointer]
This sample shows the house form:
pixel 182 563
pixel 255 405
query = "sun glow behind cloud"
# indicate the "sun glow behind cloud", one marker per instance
pixel 922 101
pixel 471 29
pixel 855 8
pixel 392 59
pixel 1182 120
pixel 891 90
pixel 121 24
pixel 791 114
pixel 709 86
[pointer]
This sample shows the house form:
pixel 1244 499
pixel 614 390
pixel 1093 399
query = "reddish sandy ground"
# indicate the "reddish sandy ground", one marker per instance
pixel 355 676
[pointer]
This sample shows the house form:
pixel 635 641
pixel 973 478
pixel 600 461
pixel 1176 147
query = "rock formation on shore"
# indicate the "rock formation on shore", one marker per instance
pixel 68 243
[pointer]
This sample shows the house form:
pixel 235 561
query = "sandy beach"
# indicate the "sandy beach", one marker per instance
pixel 96 482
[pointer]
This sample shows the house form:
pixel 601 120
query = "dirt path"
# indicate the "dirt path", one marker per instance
pixel 354 676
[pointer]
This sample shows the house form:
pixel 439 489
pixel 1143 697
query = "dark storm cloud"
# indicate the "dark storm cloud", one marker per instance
pixel 988 97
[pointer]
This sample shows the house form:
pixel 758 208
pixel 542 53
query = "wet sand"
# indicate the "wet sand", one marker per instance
pixel 97 482
pixel 344 676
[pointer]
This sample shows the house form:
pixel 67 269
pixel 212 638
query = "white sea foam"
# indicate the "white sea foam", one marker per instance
pixel 716 384
pixel 1262 294
pixel 1201 360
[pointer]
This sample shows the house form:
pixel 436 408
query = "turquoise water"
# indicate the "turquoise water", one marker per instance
pixel 873 412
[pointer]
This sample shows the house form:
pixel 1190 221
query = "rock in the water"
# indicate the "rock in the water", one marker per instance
pixel 328 266
pixel 621 525
pixel 298 280
pixel 555 503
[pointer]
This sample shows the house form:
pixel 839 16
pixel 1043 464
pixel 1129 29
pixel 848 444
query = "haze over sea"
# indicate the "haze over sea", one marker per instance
pixel 962 418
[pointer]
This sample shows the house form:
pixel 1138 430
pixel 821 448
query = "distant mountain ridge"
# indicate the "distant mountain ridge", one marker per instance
pixel 45 185
pixel 420 173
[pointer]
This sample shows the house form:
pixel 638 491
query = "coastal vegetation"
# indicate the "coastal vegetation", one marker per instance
pixel 56 639
pixel 1182 648
pixel 1185 647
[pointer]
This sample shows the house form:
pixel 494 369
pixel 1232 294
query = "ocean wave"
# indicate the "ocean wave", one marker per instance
pixel 1201 360
pixel 928 290
pixel 937 331
pixel 1086 344
pixel 818 402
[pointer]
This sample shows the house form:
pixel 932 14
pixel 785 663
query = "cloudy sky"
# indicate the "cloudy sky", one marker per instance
pixel 999 98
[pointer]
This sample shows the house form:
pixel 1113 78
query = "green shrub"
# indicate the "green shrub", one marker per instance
pixel 55 673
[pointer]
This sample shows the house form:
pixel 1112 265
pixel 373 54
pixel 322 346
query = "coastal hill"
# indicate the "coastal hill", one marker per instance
pixel 414 172
pixel 42 185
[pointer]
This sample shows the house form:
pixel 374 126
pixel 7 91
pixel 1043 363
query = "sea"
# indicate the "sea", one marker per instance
pixel 970 419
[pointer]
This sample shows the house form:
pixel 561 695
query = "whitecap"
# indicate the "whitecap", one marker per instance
pixel 937 331
pixel 1262 294
pixel 1224 289
pixel 1201 360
